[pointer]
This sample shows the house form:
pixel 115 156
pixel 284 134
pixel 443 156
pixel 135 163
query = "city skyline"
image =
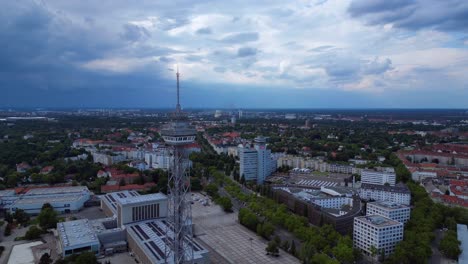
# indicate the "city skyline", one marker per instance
pixel 267 54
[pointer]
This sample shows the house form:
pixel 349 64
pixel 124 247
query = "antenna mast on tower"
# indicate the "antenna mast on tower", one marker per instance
pixel 177 134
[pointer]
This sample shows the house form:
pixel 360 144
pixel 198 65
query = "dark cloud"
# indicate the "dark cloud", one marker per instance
pixel 43 52
pixel 204 31
pixel 241 37
pixel 246 52
pixel 134 33
pixel 447 15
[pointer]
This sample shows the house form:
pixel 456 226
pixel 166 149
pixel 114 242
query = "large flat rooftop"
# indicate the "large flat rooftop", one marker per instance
pixel 378 221
pixel 398 188
pixel 47 199
pixel 151 237
pixel 76 233
pixel 4 193
pixel 142 198
pixel 57 190
pixel 388 205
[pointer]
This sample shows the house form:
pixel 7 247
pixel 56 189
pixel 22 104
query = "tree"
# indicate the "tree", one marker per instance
pixel 272 248
pixel 21 216
pixel 285 246
pixel 47 218
pixel 46 205
pixel 323 259
pixel 373 251
pixel 242 180
pixel 277 239
pixel 248 219
pixel 45 259
pixel 33 233
pixel 86 258
pixel 7 231
pixel 212 190
pixel 344 250
pixel 292 250
pixel 450 245
pixel 8 217
pixel 226 203
pixel 307 252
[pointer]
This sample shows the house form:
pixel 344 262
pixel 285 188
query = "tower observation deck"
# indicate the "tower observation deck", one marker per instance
pixel 177 134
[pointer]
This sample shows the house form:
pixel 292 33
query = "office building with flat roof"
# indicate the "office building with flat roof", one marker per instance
pixel 143 217
pixel 394 211
pixel 130 206
pixel 148 240
pixel 380 176
pixel 63 199
pixel 399 193
pixel 377 231
pixel 76 237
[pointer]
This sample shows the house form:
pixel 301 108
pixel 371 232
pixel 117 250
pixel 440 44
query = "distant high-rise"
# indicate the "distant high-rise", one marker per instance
pixel 240 114
pixel 177 134
pixel 256 162
pixel 233 120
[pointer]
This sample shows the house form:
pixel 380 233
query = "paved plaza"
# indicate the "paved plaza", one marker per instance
pixel 235 243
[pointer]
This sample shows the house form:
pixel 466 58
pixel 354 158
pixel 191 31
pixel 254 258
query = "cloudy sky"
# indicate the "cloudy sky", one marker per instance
pixel 234 54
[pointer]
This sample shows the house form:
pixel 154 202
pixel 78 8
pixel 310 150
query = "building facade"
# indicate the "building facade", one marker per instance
pixel 381 176
pixel 399 193
pixel 376 231
pixel 62 199
pixel 396 212
pixel 256 163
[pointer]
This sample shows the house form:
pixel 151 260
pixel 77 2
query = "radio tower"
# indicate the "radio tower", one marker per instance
pixel 177 134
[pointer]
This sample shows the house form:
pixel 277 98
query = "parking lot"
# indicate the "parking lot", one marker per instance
pixel 224 235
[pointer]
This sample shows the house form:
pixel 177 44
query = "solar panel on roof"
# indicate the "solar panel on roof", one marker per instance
pixel 152 252
pixel 196 247
pixel 137 227
pixel 134 230
pixel 155 247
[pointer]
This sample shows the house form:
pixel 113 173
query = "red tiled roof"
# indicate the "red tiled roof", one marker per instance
pixel 231 134
pixel 451 199
pixel 47 169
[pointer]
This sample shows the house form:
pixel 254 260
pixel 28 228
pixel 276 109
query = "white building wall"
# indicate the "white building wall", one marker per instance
pixel 384 237
pixel 248 163
pixel 378 177
pixel 380 195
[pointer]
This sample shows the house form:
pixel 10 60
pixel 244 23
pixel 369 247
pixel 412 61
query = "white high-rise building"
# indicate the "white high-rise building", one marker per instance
pixel 256 163
pixel 394 211
pixel 380 176
pixel 159 159
pixel 378 231
pixel 248 162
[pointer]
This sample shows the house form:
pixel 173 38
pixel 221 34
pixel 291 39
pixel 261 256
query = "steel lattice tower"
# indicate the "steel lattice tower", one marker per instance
pixel 177 134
